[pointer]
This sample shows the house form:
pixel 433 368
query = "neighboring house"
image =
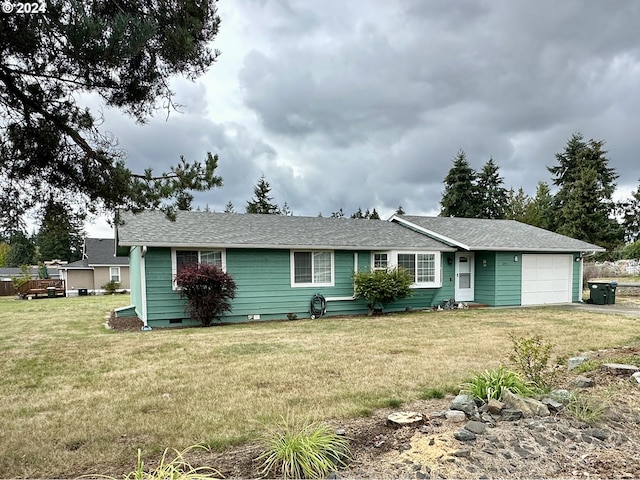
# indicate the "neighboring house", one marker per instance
pixel 280 262
pixel 98 266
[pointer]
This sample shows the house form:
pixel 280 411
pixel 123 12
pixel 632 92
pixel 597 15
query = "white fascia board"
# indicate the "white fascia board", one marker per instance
pixel 429 233
pixel 283 247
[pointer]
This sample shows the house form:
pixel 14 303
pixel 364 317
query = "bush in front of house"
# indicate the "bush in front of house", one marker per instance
pixel 208 291
pixel 111 287
pixel 382 287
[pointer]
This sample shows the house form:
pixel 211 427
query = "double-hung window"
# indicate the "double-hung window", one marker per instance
pixel 424 267
pixel 114 274
pixel 311 268
pixel 380 260
pixel 182 257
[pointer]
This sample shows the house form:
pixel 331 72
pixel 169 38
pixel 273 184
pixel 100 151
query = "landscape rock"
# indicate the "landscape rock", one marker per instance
pixel 455 416
pixel 620 369
pixel 575 362
pixel 552 404
pixel 403 419
pixel 464 435
pixel 476 427
pixel 511 415
pixel 495 406
pixel 464 403
pixel 561 395
pixel 583 382
pixel 636 376
pixel 528 406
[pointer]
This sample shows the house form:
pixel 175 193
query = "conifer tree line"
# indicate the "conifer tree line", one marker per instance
pixel 581 207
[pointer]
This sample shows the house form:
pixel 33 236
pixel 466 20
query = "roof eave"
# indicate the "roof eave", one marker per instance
pixel 284 246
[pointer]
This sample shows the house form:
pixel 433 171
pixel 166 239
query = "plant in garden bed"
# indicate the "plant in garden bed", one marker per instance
pixel 111 287
pixel 208 289
pixel 491 384
pixel 176 469
pixel 303 450
pixel 586 409
pixel 531 358
pixel 382 287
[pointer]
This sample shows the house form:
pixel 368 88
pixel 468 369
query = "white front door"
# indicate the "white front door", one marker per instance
pixel 464 277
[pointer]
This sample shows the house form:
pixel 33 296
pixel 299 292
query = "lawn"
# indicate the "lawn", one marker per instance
pixel 77 398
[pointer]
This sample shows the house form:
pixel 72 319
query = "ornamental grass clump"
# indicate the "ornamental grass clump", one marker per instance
pixel 303 450
pixel 208 290
pixel 491 384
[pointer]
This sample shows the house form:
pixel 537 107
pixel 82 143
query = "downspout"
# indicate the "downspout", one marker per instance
pixel 143 287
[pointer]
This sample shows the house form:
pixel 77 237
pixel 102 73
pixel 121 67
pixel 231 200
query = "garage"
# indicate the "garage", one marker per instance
pixel 546 279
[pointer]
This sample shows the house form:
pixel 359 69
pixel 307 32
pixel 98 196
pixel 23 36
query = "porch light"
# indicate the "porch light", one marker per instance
pixel 515 258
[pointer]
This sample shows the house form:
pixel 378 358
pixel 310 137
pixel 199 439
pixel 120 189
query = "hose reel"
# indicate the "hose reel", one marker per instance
pixel 318 306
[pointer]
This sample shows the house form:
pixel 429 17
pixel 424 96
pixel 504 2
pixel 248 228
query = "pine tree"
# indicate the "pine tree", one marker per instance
pixel 338 214
pixel 539 211
pixel 517 205
pixel 261 203
pixel 374 215
pixel 400 210
pixel 460 197
pixel 22 251
pixel 583 204
pixel 491 193
pixel 229 208
pixel 61 233
pixel 123 53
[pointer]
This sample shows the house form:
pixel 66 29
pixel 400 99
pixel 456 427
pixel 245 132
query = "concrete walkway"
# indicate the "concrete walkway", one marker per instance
pixel 619 309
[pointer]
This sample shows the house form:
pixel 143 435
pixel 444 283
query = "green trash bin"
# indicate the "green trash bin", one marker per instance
pixel 611 293
pixel 598 292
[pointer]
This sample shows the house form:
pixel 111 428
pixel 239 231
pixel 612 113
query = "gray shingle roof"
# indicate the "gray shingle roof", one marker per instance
pixel 505 235
pixel 101 251
pixel 203 229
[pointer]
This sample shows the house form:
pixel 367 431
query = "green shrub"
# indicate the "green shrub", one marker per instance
pixel 491 384
pixel 382 287
pixel 303 450
pixel 111 287
pixel 531 359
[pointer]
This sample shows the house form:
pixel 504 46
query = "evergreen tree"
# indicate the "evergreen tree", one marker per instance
pixel 629 211
pixel 261 203
pixel 583 204
pixel 357 214
pixel 374 215
pixel 5 248
pixel 460 197
pixel 400 210
pixel 126 53
pixel 22 252
pixel 517 205
pixel 61 233
pixel 539 211
pixel 491 193
pixel 338 214
pixel 229 208
pixel 285 210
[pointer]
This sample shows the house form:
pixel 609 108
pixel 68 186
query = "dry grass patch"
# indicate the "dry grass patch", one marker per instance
pixel 77 398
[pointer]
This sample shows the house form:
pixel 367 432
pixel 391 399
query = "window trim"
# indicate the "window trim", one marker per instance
pixel 312 283
pixel 117 269
pixel 174 263
pixel 437 281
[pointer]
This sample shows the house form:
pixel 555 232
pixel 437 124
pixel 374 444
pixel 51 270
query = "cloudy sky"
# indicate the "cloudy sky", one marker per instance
pixel 364 103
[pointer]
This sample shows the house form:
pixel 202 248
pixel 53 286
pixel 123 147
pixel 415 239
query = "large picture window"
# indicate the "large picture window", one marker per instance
pixel 311 268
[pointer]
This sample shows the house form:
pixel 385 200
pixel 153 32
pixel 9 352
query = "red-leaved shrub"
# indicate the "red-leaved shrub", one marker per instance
pixel 208 289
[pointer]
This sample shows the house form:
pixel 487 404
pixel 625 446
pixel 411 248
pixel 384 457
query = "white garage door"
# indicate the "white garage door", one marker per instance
pixel 546 279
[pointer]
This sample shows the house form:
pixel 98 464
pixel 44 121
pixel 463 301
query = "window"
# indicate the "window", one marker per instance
pixel 380 261
pixel 311 269
pixel 423 267
pixel 180 258
pixel 114 274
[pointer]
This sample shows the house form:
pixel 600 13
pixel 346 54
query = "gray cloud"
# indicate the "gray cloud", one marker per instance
pixel 365 103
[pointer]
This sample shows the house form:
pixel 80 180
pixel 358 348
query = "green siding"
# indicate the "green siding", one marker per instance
pixel 508 279
pixel 485 278
pixel 576 290
pixel 264 288
pixel 135 279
